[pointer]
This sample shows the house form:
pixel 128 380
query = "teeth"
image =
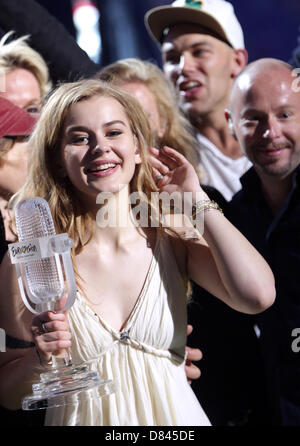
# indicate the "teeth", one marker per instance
pixel 103 167
pixel 190 85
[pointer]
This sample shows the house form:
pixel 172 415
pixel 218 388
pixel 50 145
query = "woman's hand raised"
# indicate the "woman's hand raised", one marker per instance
pixel 173 173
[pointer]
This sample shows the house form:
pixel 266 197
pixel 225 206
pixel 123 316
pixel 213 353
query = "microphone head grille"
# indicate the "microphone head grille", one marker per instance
pixel 42 277
pixel 33 219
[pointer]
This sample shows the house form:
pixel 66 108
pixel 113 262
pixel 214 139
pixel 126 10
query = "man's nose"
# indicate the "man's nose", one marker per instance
pixel 273 128
pixel 187 63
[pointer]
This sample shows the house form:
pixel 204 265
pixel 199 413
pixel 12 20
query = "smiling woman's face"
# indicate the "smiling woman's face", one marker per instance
pixel 99 151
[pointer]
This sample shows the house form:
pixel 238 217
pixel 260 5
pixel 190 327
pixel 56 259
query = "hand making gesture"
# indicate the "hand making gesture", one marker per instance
pixel 174 173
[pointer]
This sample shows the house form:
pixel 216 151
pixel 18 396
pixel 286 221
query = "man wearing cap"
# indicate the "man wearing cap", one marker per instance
pixel 203 50
pixel 15 125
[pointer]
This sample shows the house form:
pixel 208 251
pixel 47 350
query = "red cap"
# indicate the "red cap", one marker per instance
pixel 14 121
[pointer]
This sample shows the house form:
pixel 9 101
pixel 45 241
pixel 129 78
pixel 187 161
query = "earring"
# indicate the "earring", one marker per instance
pixel 230 126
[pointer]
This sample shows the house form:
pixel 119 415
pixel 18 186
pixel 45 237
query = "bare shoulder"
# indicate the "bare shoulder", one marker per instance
pixel 15 319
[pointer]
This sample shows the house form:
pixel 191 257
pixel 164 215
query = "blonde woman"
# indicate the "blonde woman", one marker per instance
pixel 129 317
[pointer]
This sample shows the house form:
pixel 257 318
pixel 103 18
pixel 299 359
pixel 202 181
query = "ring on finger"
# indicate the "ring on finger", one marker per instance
pixel 37 331
pixel 158 178
pixel 44 329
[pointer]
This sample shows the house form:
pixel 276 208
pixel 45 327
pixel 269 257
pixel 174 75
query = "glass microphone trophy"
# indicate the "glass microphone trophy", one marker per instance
pixel 45 274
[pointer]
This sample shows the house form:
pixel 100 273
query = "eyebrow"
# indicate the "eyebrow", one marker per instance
pixel 199 43
pixel 33 102
pixel 249 111
pixel 116 121
pixel 84 128
pixel 279 108
pixel 191 46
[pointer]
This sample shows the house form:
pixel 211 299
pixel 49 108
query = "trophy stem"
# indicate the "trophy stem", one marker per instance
pixel 64 383
pixel 58 361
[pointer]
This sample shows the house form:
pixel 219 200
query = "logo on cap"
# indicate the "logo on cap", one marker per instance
pixel 193 3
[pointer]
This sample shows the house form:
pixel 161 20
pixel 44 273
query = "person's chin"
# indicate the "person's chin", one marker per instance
pixel 275 169
pixel 191 110
pixel 196 107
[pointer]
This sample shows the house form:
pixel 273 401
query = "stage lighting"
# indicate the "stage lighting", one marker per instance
pixel 86 17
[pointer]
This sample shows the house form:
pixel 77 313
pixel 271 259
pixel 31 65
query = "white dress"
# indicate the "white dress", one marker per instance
pixel 145 360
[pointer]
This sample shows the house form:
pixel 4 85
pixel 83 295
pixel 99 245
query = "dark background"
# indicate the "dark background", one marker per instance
pixel 271 27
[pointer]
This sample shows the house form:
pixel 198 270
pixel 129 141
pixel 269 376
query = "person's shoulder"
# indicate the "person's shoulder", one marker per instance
pixel 250 186
pixel 237 199
pixel 240 210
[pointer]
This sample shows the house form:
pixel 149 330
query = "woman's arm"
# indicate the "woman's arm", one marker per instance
pixel 221 260
pixel 20 367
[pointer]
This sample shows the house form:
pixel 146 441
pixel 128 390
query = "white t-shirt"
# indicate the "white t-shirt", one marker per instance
pixel 220 171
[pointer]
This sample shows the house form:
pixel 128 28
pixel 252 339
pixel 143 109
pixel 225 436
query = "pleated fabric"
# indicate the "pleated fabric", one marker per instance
pixel 145 360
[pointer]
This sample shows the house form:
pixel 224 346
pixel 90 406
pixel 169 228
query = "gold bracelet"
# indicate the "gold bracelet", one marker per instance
pixel 204 205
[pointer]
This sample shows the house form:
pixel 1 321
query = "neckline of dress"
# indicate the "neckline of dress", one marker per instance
pixel 125 326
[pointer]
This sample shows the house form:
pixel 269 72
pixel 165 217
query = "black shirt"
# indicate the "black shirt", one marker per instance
pixel 230 387
pixel 277 238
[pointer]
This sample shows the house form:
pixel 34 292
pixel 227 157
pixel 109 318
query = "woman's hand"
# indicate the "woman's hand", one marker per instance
pixel 51 335
pixel 177 178
pixel 173 173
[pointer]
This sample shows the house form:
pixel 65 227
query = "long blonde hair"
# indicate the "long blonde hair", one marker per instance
pixel 178 132
pixel 44 179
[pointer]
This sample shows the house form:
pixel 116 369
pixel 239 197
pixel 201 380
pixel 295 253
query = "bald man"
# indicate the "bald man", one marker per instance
pixel 264 117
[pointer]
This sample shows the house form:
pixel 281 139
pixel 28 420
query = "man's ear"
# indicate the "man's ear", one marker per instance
pixel 230 122
pixel 240 59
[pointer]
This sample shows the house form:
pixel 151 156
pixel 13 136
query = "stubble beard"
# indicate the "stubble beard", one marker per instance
pixel 274 171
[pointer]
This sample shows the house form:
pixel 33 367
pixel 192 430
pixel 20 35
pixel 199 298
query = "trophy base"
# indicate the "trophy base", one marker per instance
pixel 66 386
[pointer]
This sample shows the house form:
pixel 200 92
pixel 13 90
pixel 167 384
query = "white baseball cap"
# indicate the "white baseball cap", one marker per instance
pixel 215 15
